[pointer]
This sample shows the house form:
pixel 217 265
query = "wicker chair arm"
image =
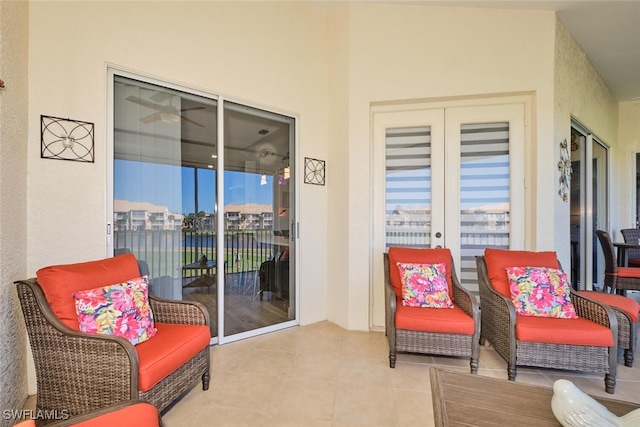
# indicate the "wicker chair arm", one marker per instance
pixel 75 371
pixel 497 312
pixel 463 299
pixel 595 311
pixel 180 312
pixel 390 304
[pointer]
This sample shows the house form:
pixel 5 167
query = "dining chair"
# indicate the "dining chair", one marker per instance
pixel 632 235
pixel 615 277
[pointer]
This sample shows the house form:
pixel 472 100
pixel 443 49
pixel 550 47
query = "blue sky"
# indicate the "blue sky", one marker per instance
pixel 173 186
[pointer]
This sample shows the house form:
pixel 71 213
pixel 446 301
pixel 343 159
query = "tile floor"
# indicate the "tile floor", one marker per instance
pixel 323 375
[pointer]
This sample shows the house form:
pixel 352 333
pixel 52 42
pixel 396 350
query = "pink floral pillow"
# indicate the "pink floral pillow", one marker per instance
pixel 121 310
pixel 541 291
pixel 424 285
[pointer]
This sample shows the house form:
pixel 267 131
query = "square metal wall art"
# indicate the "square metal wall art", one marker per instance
pixel 314 170
pixel 66 139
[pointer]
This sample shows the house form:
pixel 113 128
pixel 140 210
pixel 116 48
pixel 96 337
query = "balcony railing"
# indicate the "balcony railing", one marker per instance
pixel 166 251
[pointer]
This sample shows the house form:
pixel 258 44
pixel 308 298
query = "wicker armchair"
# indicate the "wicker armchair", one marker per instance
pixel 441 331
pixel 500 322
pixel 632 235
pixel 616 278
pixel 81 373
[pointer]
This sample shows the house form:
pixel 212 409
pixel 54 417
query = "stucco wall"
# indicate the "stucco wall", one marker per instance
pixel 253 51
pixel 580 92
pixel 14 35
pixel 624 159
pixel 411 52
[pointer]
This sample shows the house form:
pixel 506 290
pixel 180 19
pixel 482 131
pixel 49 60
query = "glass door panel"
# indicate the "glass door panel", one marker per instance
pixel 485 183
pixel 484 193
pixel 588 206
pixel 258 213
pixel 408 187
pixel 163 202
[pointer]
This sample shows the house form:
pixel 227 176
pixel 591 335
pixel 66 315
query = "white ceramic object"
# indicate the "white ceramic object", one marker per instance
pixel 574 408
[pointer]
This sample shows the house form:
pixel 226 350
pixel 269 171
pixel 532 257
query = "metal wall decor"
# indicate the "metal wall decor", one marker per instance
pixel 314 170
pixel 564 166
pixel 66 139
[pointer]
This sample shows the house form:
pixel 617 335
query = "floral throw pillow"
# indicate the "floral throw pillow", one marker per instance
pixel 121 310
pixel 541 291
pixel 424 285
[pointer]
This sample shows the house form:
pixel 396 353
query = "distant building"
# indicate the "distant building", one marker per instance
pixel 250 216
pixel 147 216
pixel 144 216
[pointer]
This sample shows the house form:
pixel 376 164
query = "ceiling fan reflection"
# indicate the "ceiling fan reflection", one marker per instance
pixel 166 113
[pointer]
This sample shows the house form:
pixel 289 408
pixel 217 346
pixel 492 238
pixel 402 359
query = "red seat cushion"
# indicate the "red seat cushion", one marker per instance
pixel 169 349
pixel 551 330
pixel 59 282
pixel 137 415
pixel 415 255
pixel 498 260
pixel 625 304
pixel 629 272
pixel 445 320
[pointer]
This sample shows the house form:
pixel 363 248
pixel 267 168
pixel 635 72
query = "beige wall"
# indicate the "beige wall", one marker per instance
pixel 327 69
pixel 624 172
pixel 249 51
pixel 14 35
pixel 418 53
pixel 580 93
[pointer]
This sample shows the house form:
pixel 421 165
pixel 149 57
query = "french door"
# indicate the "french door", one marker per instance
pixel 202 190
pixel 447 176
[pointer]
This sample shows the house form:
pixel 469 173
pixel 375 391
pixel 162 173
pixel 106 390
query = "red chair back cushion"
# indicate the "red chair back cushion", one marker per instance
pixel 498 260
pixel 417 256
pixel 59 282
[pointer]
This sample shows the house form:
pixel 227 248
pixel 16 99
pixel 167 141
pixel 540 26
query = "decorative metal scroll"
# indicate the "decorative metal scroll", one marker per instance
pixel 564 166
pixel 314 170
pixel 66 139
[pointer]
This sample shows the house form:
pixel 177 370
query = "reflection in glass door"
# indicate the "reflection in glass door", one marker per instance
pixel 588 206
pixel 171 199
pixel 258 213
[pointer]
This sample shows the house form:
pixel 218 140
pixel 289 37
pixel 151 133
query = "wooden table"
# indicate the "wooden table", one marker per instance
pixel 197 274
pixel 461 399
pixel 623 255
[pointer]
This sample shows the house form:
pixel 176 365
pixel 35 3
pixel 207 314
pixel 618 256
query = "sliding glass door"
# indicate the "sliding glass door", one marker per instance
pixel 203 194
pixel 589 200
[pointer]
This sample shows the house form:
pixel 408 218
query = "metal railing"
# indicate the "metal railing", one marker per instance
pixel 166 251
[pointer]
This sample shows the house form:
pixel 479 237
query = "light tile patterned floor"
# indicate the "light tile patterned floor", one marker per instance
pixel 323 375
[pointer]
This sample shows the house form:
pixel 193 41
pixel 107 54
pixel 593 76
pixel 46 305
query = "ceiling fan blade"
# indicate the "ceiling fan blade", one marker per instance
pixel 151 118
pixel 191 121
pixel 146 103
pixel 192 109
